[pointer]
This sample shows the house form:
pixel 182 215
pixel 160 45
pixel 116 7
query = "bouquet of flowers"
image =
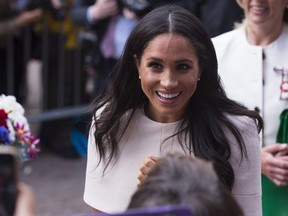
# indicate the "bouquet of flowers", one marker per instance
pixel 14 128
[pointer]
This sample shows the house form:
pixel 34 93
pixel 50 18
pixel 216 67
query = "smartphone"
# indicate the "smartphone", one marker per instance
pixel 8 180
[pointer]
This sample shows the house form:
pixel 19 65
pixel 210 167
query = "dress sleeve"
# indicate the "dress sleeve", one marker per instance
pixel 93 168
pixel 247 171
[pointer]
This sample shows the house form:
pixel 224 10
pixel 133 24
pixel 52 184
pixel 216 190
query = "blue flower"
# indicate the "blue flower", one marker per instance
pixel 4 135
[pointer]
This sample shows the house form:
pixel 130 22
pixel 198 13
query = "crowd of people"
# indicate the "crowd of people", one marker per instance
pixel 184 79
pixel 111 21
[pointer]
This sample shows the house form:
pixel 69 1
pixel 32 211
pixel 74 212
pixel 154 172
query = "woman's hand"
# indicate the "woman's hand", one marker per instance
pixel 275 163
pixel 148 164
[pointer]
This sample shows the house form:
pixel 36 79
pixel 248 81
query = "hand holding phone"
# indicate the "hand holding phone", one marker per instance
pixel 8 180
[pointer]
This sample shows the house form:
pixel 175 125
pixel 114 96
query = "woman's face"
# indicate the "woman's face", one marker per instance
pixel 169 72
pixel 264 11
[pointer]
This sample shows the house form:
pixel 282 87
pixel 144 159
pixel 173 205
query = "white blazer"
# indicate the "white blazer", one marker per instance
pixel 248 75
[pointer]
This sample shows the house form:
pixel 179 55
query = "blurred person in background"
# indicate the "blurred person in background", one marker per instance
pixel 99 19
pixel 12 23
pixel 254 69
pixel 55 57
pixel 217 16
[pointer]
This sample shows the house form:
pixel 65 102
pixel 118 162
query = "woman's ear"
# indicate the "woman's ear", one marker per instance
pixel 136 60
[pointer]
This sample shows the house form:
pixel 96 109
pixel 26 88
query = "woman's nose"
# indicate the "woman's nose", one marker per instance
pixel 169 80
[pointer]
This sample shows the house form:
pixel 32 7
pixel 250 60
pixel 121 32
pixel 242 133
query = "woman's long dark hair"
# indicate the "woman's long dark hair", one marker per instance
pixel 206 113
pixel 285 17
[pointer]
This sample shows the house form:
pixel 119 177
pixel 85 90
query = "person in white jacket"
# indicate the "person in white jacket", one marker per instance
pixel 253 66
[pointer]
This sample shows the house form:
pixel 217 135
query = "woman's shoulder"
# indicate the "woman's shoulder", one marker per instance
pixel 243 123
pixel 247 127
pixel 105 109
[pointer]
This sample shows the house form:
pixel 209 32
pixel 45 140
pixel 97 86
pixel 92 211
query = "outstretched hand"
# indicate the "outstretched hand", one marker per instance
pixel 275 163
pixel 146 167
pixel 28 17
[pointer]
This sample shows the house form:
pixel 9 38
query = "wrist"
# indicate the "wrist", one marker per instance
pixel 93 14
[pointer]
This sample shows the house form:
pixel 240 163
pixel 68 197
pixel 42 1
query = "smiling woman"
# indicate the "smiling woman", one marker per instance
pixel 166 96
pixel 261 42
pixel 168 80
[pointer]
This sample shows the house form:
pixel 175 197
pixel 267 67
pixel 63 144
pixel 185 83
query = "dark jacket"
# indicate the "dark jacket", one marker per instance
pixel 218 16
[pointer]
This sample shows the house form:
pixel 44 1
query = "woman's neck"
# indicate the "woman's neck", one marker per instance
pixel 261 35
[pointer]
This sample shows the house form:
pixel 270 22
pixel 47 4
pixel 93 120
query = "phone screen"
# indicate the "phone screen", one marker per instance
pixel 8 189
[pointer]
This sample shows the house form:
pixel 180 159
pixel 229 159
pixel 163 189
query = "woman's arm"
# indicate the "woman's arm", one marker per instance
pixel 10 26
pixel 247 170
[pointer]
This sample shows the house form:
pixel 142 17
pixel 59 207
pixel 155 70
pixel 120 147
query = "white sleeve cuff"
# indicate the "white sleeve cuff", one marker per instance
pixel 90 15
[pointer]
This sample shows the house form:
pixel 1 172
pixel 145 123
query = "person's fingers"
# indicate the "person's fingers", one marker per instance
pixel 285 158
pixel 145 170
pixel 275 168
pixel 279 179
pixel 280 182
pixel 147 165
pixel 277 162
pixel 280 174
pixel 141 178
pixel 274 149
pixel 153 158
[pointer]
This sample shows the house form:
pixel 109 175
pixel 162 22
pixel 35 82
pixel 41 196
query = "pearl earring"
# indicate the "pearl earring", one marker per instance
pixel 139 76
pixel 198 79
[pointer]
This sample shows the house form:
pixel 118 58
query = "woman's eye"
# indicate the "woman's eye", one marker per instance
pixel 155 66
pixel 183 67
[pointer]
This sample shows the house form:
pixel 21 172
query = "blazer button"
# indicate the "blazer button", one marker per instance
pixel 257 109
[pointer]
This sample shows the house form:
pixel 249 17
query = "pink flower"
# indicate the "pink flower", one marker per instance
pixel 33 146
pixel 21 133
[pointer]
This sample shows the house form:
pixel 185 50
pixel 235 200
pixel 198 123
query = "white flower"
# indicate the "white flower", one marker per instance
pixel 14 109
pixel 10 105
